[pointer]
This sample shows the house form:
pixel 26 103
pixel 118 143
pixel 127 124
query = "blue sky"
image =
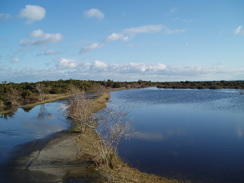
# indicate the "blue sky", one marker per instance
pixel 159 40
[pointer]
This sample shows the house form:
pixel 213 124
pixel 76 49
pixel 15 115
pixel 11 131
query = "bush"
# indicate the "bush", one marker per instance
pixel 1 104
pixel 80 110
pixel 27 93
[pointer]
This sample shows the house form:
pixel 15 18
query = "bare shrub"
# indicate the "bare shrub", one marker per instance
pixel 80 110
pixel 101 132
pixel 1 104
pixel 42 90
pixel 43 113
pixel 101 90
pixel 13 96
pixel 113 126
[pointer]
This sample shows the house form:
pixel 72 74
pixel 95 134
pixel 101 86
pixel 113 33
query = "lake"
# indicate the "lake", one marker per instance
pixel 189 134
pixel 25 125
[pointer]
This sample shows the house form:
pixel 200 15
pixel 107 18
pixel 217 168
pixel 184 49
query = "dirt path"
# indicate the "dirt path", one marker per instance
pixel 55 162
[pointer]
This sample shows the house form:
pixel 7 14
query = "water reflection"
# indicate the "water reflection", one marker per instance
pixel 192 134
pixel 148 136
pixel 24 125
pixel 9 114
pixel 156 136
pixel 27 109
pixel 240 130
pixel 43 113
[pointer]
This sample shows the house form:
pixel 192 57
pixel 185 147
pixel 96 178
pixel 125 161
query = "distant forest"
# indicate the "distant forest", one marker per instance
pixel 13 94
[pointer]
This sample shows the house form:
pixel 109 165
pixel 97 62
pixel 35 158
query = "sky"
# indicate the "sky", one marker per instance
pixel 122 40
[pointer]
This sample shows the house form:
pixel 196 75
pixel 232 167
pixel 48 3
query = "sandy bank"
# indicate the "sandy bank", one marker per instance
pixel 55 162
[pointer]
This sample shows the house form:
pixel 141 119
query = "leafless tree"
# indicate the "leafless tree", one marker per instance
pixel 41 90
pixel 101 132
pixel 113 125
pixel 13 96
pixel 43 113
pixel 80 110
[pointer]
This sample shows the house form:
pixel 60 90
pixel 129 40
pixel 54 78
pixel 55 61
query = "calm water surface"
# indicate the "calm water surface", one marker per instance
pixel 26 125
pixel 186 134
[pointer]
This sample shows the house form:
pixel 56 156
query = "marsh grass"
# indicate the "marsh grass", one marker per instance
pixel 99 146
pixel 120 172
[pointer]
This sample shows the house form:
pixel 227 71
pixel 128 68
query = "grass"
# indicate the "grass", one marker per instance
pixel 99 102
pixel 121 173
pixel 48 98
pixel 2 111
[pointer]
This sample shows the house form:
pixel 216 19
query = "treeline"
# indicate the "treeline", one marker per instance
pixel 203 84
pixel 13 94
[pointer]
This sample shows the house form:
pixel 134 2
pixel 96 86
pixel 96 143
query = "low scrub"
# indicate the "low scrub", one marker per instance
pixel 104 129
pixel 99 138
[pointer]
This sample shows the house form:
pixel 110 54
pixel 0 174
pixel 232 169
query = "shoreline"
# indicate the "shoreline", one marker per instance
pixel 56 160
pixel 50 99
pixel 52 159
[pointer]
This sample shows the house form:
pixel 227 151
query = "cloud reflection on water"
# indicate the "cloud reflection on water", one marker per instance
pixel 156 136
pixel 42 128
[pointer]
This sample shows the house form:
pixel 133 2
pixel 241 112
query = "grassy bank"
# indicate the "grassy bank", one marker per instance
pixel 100 102
pixel 48 98
pixel 121 172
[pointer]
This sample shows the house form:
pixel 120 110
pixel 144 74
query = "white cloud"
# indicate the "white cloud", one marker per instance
pixel 67 68
pixel 38 38
pixel 239 30
pixel 144 29
pixel 4 17
pixel 173 10
pixel 117 36
pixel 66 63
pixel 158 71
pixel 144 68
pixel 152 29
pixel 94 13
pixel 91 47
pixel 128 34
pixel 15 60
pixel 172 31
pixel 32 13
pixel 48 52
pixel 37 33
pixel 112 37
pixel 188 20
pixel 96 65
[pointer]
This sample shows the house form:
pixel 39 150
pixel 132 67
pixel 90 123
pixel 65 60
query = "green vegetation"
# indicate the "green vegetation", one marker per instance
pixel 203 84
pixel 99 145
pixel 15 94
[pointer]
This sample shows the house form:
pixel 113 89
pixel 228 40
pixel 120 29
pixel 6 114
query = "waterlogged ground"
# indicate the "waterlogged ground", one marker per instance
pixel 186 134
pixel 180 133
pixel 25 125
